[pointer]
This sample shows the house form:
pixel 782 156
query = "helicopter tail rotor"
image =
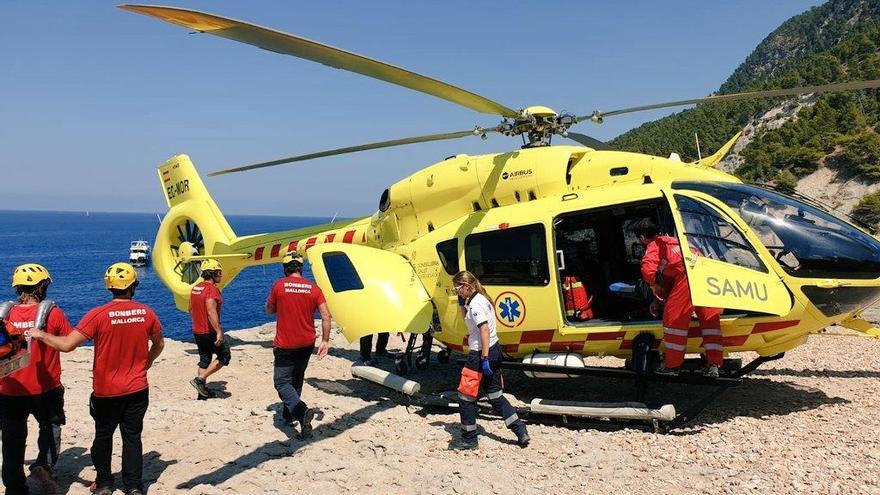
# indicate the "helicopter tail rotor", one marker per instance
pixel 192 230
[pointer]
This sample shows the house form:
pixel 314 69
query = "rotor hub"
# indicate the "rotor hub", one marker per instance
pixel 537 125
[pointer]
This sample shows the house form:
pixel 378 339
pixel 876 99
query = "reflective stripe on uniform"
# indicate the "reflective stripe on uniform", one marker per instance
pixel 511 420
pixel 675 331
pixel 494 395
pixel 711 331
pixel 468 427
pixel 466 398
pixel 676 347
pixel 713 347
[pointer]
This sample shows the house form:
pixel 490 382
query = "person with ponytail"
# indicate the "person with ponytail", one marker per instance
pixel 482 372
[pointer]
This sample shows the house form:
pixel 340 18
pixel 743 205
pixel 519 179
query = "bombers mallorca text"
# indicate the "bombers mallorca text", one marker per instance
pixel 295 288
pixel 127 316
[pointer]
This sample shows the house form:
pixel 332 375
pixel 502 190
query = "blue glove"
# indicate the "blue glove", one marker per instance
pixel 461 301
pixel 487 370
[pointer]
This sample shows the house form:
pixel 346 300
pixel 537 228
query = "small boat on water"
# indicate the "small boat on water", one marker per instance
pixel 139 253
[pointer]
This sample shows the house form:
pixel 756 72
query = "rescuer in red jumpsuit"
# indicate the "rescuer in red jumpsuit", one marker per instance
pixel 663 269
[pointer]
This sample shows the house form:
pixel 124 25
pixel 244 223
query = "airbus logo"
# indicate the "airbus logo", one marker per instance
pixel 516 174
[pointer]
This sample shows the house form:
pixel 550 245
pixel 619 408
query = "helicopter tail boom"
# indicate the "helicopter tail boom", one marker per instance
pixel 195 229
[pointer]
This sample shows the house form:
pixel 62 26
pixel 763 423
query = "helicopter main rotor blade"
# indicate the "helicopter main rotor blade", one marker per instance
pixel 288 44
pixel 588 141
pixel 352 149
pixel 824 88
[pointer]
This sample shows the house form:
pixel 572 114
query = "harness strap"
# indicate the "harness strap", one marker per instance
pixel 5 307
pixel 43 310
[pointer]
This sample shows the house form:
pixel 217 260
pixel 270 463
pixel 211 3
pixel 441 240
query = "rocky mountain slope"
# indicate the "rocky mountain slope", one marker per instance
pixel 822 145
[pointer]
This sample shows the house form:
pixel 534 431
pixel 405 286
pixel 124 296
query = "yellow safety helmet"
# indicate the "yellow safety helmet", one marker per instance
pixel 120 276
pixel 30 274
pixel 211 264
pixel 292 256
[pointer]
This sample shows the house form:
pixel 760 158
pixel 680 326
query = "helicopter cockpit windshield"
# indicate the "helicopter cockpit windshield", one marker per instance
pixel 806 241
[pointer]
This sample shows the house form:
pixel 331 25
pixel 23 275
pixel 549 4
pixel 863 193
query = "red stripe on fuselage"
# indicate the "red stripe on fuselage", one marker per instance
pixel 577 346
pixel 769 326
pixel 348 236
pixel 258 254
pixel 606 335
pixel 536 336
pixel 275 250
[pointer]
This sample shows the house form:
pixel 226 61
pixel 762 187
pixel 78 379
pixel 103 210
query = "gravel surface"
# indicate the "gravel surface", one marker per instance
pixel 805 424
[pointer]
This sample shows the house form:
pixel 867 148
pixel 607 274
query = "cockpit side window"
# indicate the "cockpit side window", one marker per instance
pixel 806 241
pixel 514 256
pixel 448 253
pixel 714 236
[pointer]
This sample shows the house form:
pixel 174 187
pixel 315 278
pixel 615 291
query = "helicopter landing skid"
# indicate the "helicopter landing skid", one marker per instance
pixel 658 420
pixel 643 377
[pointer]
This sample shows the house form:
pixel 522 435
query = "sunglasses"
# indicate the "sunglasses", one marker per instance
pixel 459 287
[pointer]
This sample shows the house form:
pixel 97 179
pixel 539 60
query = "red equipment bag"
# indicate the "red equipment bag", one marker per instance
pixel 469 385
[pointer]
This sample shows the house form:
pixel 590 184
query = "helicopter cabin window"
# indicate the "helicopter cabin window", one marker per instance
pixel 448 253
pixel 341 272
pixel 513 256
pixel 714 237
pixel 599 262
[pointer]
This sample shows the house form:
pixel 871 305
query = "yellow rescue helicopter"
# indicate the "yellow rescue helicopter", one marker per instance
pixel 532 225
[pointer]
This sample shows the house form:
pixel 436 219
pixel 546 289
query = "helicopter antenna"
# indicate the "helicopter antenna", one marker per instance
pixel 697 139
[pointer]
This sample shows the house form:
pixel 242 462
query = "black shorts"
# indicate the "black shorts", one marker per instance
pixel 207 349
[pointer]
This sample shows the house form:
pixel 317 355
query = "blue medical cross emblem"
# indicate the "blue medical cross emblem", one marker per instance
pixel 509 309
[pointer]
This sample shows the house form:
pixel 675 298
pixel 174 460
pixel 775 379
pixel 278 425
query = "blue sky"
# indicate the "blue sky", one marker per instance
pixel 93 98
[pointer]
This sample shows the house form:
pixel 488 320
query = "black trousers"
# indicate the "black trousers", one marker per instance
pixel 367 344
pixel 493 387
pixel 48 409
pixel 127 413
pixel 289 374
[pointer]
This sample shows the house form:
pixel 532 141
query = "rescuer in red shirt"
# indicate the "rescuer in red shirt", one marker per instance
pixel 294 299
pixel 663 269
pixel 121 330
pixel 35 389
pixel 205 301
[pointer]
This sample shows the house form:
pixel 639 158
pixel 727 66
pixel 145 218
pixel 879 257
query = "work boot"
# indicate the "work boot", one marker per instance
pixel 43 476
pixel 305 424
pixel 522 438
pixel 135 491
pixel 711 371
pixel 467 444
pixel 285 414
pixel 304 415
pixel 201 386
pixel 664 371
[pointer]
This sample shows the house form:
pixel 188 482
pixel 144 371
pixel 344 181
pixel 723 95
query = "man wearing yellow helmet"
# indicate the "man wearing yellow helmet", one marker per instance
pixel 121 330
pixel 35 389
pixel 294 299
pixel 205 301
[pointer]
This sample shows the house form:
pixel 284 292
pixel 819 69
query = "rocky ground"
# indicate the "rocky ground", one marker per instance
pixel 805 424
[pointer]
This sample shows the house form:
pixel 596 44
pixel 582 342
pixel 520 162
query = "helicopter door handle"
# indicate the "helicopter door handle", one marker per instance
pixel 561 258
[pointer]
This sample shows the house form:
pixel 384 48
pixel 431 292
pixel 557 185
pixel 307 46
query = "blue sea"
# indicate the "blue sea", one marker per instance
pixel 77 247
